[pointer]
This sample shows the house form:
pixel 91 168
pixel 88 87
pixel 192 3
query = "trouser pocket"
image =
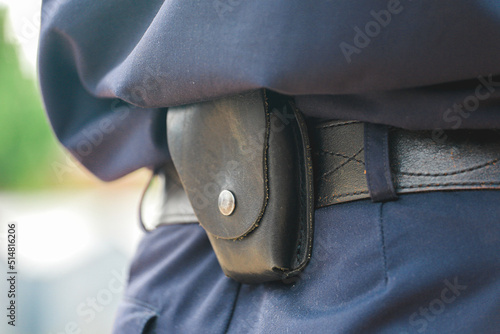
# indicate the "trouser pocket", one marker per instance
pixel 134 317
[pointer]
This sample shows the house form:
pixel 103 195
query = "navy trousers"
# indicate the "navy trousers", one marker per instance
pixel 425 263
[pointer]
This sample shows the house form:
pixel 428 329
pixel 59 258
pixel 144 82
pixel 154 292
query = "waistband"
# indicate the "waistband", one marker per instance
pixel 417 162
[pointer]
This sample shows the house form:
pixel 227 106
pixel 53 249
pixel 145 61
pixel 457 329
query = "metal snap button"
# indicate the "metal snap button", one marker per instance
pixel 227 202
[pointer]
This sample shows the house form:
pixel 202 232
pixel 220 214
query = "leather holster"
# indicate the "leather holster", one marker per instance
pixel 254 145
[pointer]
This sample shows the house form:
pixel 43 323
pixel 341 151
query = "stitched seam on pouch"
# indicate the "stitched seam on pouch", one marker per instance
pixel 303 192
pixel 308 192
pixel 266 170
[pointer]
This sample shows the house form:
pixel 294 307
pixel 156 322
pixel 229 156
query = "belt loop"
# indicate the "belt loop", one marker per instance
pixel 378 170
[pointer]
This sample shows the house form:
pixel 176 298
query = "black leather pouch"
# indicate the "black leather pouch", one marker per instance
pixel 254 145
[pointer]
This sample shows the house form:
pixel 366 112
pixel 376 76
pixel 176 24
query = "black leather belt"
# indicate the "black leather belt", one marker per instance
pixel 466 160
pixel 254 172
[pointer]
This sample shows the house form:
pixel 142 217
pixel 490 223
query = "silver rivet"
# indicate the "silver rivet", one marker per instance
pixel 227 203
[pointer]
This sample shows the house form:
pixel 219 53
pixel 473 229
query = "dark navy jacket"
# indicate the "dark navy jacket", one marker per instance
pixel 110 69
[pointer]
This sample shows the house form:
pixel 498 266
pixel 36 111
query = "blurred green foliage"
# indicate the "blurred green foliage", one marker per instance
pixel 27 145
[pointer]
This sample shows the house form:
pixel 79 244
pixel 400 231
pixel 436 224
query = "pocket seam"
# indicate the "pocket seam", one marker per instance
pixel 141 304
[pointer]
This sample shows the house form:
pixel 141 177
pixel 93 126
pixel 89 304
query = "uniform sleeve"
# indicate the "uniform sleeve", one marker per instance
pixel 80 43
pixel 110 69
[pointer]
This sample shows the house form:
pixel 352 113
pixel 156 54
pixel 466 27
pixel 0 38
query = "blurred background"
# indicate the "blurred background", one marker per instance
pixel 75 234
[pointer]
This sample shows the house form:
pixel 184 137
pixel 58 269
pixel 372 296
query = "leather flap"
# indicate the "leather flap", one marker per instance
pixel 237 129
